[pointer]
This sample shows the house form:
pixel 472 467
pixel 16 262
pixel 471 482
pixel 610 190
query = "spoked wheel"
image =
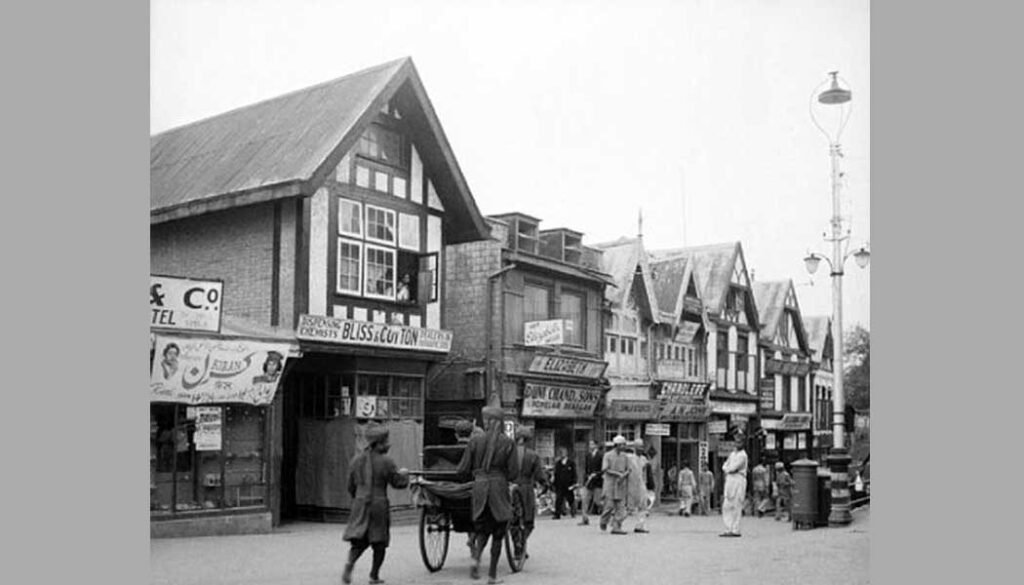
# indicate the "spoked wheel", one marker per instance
pixel 435 531
pixel 515 536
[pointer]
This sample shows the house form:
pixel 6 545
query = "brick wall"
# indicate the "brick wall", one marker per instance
pixel 467 267
pixel 235 245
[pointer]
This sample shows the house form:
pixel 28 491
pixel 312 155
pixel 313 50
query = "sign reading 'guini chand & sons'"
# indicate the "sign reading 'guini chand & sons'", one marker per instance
pixel 542 400
pixel 349 332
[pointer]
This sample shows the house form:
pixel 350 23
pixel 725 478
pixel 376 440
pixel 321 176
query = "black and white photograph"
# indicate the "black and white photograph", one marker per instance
pixel 459 291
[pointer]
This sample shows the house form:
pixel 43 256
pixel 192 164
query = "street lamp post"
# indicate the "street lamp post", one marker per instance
pixel 835 98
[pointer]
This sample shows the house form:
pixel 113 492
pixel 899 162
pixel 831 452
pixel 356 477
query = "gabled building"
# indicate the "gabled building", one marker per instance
pixel 786 401
pixel 819 339
pixel 526 310
pixel 325 212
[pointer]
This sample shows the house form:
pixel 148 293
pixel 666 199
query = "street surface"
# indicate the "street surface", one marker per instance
pixel 677 550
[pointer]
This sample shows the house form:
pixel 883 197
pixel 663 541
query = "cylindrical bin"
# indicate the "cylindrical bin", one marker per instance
pixel 824 496
pixel 805 494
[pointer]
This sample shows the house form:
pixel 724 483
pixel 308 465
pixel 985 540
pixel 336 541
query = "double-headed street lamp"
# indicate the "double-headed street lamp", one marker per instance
pixel 834 101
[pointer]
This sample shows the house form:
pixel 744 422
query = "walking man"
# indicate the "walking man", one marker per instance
pixel 615 468
pixel 565 478
pixel 491 459
pixel 735 469
pixel 784 492
pixel 530 473
pixel 372 471
pixel 687 487
pixel 644 495
pixel 592 483
pixel 759 479
pixel 705 487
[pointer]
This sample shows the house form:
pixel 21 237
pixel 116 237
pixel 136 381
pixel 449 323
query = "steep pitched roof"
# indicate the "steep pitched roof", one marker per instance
pixel 818 328
pixel 671 280
pixel 713 266
pixel 285 146
pixel 620 259
pixel 771 301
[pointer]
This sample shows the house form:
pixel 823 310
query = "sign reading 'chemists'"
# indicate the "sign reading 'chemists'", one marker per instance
pixel 346 331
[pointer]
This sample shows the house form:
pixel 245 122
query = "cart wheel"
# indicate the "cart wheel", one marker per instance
pixel 435 530
pixel 515 536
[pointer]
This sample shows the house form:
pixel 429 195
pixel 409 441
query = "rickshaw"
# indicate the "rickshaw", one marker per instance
pixel 445 507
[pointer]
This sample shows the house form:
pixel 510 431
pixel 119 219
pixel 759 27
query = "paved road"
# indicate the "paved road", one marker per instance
pixel 678 550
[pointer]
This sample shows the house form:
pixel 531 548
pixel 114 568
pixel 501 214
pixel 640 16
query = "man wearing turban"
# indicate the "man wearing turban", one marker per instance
pixel 616 470
pixel 492 461
pixel 369 525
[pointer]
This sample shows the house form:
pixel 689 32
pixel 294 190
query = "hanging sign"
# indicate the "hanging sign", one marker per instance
pixel 542 400
pixel 767 388
pixel 695 390
pixel 549 364
pixel 656 430
pixel 208 428
pixel 687 331
pixel 718 427
pixel 702 455
pixel 796 421
pixel 209 370
pixel 184 304
pixel 366 333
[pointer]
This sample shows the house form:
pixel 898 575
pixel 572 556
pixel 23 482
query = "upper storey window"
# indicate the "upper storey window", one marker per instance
pixel 383 145
pixel 382 161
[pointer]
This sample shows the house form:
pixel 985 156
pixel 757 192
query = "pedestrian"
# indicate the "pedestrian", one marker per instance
pixel 783 491
pixel 687 486
pixel 759 481
pixel 592 483
pixel 705 488
pixel 491 459
pixel 530 474
pixel 644 495
pixel 735 469
pixel 672 477
pixel 615 468
pixel 565 479
pixel 372 471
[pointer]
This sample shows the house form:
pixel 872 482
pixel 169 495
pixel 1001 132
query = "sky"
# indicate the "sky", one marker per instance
pixel 695 113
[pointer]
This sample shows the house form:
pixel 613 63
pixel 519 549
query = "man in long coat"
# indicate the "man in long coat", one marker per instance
pixel 759 487
pixel 735 468
pixel 616 469
pixel 531 472
pixel 492 461
pixel 370 523
pixel 592 482
pixel 687 487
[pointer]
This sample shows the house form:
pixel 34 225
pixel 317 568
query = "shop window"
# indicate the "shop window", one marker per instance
pixel 630 431
pixel 389 397
pixel 380 272
pixel 572 311
pixel 611 343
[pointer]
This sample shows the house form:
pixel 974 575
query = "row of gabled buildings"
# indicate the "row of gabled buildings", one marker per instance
pixel 334 269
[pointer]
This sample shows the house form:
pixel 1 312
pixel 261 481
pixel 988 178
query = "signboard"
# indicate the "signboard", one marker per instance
pixel 656 430
pixel 733 407
pixel 796 421
pixel 683 412
pixel 770 424
pixel 786 368
pixel 365 333
pixel 694 389
pixel 702 455
pixel 208 428
pixel 184 304
pixel 542 400
pixel 718 427
pixel 687 331
pixel 366 406
pixel 633 410
pixel 739 419
pixel 549 364
pixel 544 442
pixel 207 370
pixel 552 332
pixel 768 393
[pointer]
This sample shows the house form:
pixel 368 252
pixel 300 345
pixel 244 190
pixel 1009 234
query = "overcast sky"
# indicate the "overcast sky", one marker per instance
pixel 583 112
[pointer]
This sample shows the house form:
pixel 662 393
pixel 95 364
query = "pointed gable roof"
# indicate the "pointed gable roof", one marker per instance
pixel 285 147
pixel 620 259
pixel 672 278
pixel 713 266
pixel 818 333
pixel 772 299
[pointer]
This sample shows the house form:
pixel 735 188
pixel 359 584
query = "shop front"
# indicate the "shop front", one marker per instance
pixel 212 405
pixel 728 417
pixel 351 373
pixel 685 412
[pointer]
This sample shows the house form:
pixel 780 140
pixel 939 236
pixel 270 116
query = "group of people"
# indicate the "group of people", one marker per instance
pixel 691 488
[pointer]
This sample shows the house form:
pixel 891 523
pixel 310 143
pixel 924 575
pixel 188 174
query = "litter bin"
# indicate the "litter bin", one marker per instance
pixel 824 496
pixel 805 494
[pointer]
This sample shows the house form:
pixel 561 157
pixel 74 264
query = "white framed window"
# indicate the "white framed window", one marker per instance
pixel 350 218
pixel 380 181
pixel 380 225
pixel 380 272
pixel 362 176
pixel 409 232
pixel 350 264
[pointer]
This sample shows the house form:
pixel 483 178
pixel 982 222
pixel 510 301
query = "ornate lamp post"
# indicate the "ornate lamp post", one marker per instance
pixel 834 106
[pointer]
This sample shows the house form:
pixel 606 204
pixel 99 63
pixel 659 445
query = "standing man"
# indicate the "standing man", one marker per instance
pixel 565 478
pixel 491 459
pixel 615 468
pixel 592 483
pixel 530 472
pixel 370 523
pixel 687 487
pixel 759 479
pixel 645 495
pixel 783 491
pixel 705 487
pixel 735 469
